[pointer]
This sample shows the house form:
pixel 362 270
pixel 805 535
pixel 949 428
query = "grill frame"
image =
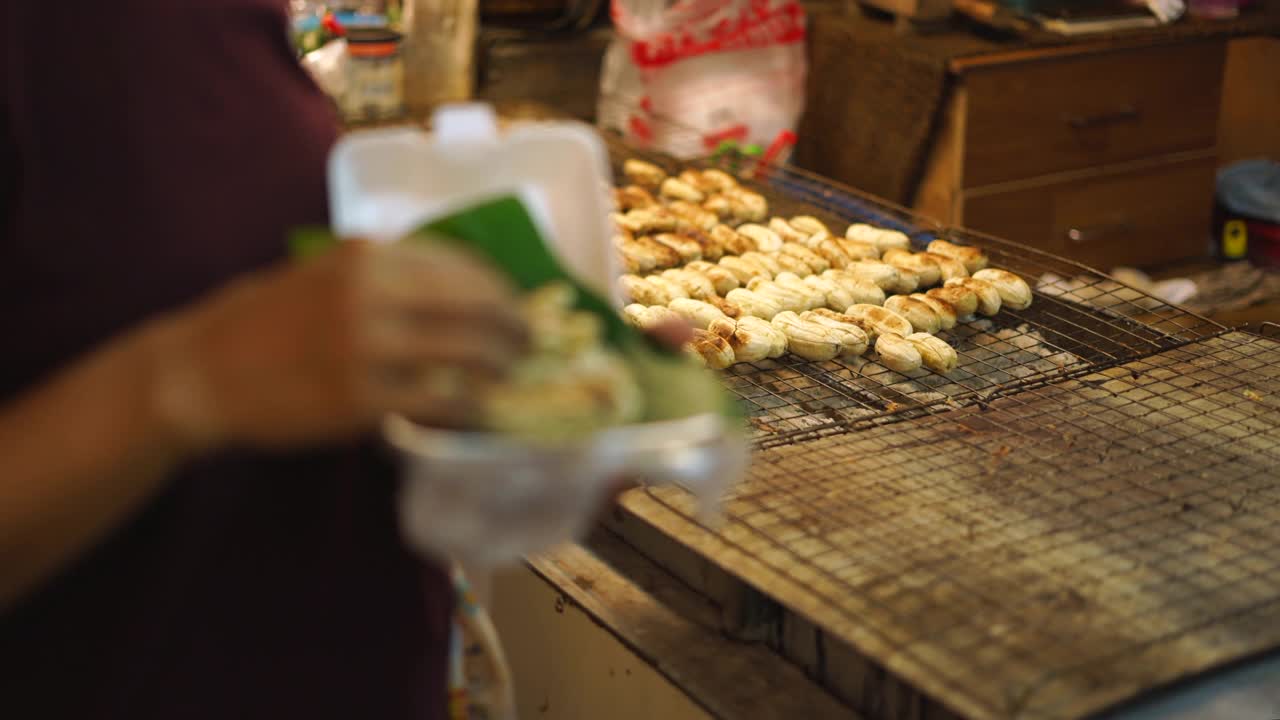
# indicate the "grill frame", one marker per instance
pixel 1101 333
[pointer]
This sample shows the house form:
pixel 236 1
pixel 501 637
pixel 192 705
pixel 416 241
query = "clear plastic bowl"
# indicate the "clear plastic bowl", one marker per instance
pixel 488 499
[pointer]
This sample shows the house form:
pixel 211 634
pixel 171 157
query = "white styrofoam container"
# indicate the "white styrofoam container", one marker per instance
pixel 482 498
pixel 386 183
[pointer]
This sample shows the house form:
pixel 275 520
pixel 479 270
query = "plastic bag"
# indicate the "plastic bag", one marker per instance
pixel 685 78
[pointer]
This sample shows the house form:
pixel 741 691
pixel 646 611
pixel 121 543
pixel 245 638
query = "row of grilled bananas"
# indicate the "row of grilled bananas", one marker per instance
pixel 839 313
pixel 758 290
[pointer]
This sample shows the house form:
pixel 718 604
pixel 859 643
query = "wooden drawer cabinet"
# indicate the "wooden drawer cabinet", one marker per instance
pixel 1104 155
pixel 1029 120
pixel 1133 217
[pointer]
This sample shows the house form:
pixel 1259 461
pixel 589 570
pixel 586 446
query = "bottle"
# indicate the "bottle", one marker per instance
pixel 438 51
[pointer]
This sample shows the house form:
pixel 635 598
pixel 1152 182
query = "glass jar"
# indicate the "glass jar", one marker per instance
pixel 375 75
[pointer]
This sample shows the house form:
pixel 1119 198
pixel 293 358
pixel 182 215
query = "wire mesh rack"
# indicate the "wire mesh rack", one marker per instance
pixel 1087 508
pixel 1080 320
pixel 1049 553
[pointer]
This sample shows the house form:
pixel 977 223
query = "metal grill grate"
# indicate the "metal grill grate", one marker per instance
pixel 1088 507
pixel 1051 552
pixel 1080 320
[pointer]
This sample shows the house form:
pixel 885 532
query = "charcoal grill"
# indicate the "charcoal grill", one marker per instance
pixel 1086 510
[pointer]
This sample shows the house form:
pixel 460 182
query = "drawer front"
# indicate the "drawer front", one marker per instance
pixel 1036 118
pixel 1139 218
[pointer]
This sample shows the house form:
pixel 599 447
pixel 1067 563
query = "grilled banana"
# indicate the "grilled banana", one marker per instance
pixel 636 289
pixel 897 353
pixel 719 205
pixel 755 327
pixel 860 289
pixel 753 303
pixel 785 297
pixel 648 318
pixel 945 311
pixel 988 295
pixel 747 206
pixel 1014 291
pixel 743 269
pixel 696 312
pixel 765 239
pixel 862 233
pixel 805 255
pixel 730 310
pixel 934 353
pixel 718 180
pixel 878 321
pixel 723 327
pixel 853 339
pixel 676 189
pixel 858 250
pixel 644 174
pixel 835 295
pixel 814 298
pixel 786 232
pixel 642 221
pixel 721 279
pixel 734 242
pixel 964 300
pixel 694 178
pixel 632 197
pixel 884 275
pixel 792 264
pixel 687 249
pixel 672 288
pixel 634 314
pixel 881 238
pixel 920 315
pixel 828 249
pixel 696 284
pixel 712 247
pixel 950 268
pixel 806 339
pixel 664 256
pixel 747 346
pixel 714 351
pixel 927 271
pixel 908 280
pixel 808 225
pixel 768 261
pixel 694 215
pixel 636 258
pixel 973 258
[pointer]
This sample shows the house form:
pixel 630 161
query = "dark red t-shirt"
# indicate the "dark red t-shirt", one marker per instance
pixel 152 150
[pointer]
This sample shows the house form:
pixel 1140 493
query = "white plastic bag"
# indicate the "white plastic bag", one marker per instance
pixel 684 78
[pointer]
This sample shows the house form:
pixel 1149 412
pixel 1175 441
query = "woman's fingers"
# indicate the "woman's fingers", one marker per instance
pixel 672 333
pixel 450 342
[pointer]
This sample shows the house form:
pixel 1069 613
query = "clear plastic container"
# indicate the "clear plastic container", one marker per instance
pixel 480 497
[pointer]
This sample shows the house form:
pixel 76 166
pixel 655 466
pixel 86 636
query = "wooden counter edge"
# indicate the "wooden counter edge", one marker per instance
pixel 729 679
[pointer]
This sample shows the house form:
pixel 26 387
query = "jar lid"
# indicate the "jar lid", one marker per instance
pixel 372 35
pixel 372 42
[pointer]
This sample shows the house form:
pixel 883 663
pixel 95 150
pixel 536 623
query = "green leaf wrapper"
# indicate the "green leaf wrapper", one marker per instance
pixel 502 231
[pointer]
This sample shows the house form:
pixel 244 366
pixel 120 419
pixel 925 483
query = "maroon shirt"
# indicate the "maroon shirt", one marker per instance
pixel 152 150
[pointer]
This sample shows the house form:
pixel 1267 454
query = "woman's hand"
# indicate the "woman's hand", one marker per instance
pixel 673 334
pixel 320 350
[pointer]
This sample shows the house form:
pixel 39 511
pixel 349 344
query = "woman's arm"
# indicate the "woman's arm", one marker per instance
pixel 299 354
pixel 77 455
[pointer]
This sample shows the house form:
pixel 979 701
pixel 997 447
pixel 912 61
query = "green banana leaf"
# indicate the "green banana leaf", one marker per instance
pixel 502 231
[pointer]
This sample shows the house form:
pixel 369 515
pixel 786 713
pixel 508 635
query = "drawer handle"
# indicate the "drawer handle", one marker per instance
pixel 1094 233
pixel 1128 113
